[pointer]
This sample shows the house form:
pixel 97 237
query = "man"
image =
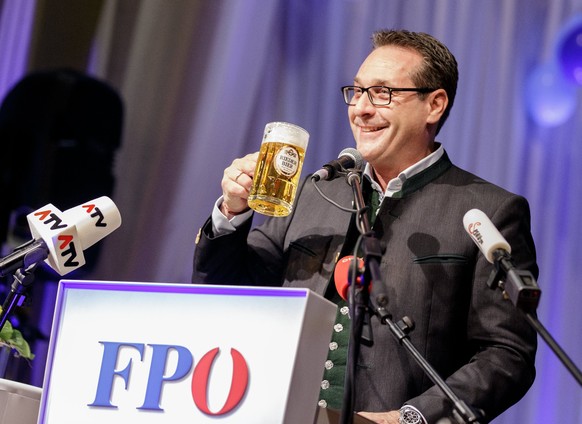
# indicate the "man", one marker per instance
pixel 432 272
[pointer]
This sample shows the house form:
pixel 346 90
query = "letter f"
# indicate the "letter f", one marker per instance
pixel 108 371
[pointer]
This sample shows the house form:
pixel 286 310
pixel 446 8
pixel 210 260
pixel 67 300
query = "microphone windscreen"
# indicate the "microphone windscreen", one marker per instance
pixel 485 235
pixel 359 161
pixel 94 220
pixel 342 272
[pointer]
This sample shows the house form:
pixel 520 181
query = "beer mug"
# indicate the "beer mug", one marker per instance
pixel 278 169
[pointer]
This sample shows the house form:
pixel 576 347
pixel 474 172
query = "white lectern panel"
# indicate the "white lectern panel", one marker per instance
pixel 169 353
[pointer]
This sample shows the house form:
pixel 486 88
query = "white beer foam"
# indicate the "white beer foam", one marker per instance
pixel 286 133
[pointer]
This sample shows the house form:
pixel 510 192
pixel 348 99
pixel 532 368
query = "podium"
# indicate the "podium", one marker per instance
pixel 19 403
pixel 164 353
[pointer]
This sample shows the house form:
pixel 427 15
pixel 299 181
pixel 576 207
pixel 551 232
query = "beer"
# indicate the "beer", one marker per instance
pixel 278 169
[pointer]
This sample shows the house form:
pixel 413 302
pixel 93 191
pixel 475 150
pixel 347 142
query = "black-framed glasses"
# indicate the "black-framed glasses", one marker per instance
pixel 379 95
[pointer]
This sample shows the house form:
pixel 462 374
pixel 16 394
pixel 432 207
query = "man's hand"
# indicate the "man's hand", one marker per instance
pixel 390 417
pixel 236 185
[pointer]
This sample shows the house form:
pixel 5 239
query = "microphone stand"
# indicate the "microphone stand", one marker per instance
pixel 372 257
pixel 22 262
pixel 358 302
pixel 521 288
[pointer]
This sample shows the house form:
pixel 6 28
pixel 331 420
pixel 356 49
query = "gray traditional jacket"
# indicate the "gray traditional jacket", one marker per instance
pixel 431 271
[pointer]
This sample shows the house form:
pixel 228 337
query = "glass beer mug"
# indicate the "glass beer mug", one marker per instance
pixel 278 169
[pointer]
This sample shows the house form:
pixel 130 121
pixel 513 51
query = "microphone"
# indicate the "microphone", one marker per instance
pixel 520 286
pixel 59 238
pixel 485 235
pixel 347 159
pixel 342 273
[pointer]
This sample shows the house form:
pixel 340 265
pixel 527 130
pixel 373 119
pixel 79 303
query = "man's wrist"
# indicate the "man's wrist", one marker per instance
pixel 221 225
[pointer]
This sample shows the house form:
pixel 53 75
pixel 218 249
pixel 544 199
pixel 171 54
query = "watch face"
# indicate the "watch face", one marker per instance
pixel 409 415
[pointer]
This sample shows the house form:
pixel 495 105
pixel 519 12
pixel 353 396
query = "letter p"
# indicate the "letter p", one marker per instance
pixel 156 377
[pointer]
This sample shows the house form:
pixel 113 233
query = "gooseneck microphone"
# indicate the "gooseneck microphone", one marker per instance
pixel 348 158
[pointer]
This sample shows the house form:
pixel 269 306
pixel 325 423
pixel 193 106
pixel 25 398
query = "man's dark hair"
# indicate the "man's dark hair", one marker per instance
pixel 439 68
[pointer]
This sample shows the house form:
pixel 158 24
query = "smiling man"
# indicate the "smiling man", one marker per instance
pixel 394 128
pixel 432 272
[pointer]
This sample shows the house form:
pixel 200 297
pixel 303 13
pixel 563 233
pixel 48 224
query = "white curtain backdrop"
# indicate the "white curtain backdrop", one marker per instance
pixel 201 78
pixel 15 30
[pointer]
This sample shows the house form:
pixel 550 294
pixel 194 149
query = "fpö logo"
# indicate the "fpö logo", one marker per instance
pixel 159 375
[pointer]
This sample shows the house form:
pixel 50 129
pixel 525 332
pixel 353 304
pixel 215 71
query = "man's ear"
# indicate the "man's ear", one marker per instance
pixel 437 102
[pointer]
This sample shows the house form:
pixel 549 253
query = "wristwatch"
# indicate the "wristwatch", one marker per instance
pixel 409 415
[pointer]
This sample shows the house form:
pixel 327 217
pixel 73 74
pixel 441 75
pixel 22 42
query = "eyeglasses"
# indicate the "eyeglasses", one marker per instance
pixel 379 95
